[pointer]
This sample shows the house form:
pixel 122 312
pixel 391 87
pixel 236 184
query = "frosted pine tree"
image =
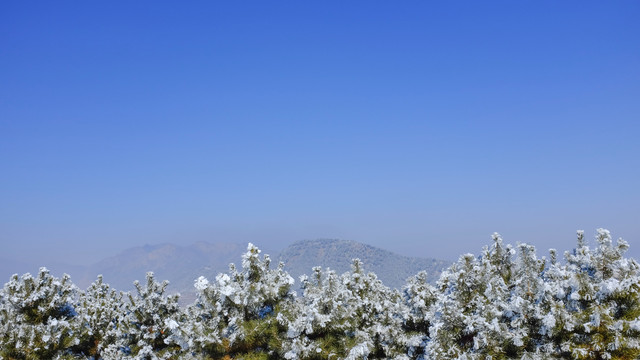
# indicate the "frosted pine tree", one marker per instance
pixel 99 311
pixel 376 314
pixel 604 299
pixel 498 271
pixel 450 335
pixel 317 322
pixel 36 317
pixel 351 317
pixel 557 322
pixel 523 314
pixel 203 326
pixel 419 296
pixel 150 327
pixel 468 315
pixel 494 306
pixel 246 304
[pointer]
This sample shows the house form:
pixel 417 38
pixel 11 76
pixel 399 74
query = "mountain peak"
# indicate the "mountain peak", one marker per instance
pixel 392 269
pixel 182 264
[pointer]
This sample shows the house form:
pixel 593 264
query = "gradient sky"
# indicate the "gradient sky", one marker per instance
pixel 420 127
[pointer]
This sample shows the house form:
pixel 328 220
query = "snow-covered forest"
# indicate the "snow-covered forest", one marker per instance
pixel 507 303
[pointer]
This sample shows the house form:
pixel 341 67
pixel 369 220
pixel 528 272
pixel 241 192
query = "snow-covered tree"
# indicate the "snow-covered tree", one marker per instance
pixel 236 315
pixel 419 297
pixel 349 316
pixel 150 327
pixel 470 315
pixel 36 316
pixel 604 298
pixel 97 323
pixel 503 304
pixel 203 326
pixel 316 322
pixel 522 313
pixel 587 308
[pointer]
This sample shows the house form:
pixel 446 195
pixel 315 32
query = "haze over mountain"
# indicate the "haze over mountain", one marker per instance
pixel 10 266
pixel 181 265
pixel 178 264
pixel 393 269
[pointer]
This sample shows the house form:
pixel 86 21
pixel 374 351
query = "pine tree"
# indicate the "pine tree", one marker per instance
pixel 523 314
pixel 150 326
pixel 99 310
pixel 419 296
pixel 246 304
pixel 378 314
pixel 450 334
pixel 317 323
pixel 604 300
pixel 203 326
pixel 349 316
pixel 496 336
pixel 502 304
pixel 454 329
pixel 471 315
pixel 36 317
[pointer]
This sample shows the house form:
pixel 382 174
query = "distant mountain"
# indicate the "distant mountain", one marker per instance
pixel 10 266
pixel 181 265
pixel 392 269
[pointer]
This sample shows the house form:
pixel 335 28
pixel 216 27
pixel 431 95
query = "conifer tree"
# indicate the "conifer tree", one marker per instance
pixel 377 313
pixel 503 304
pixel 317 323
pixel 604 300
pixel 203 326
pixel 557 322
pixel 451 330
pixel 150 326
pixel 469 314
pixel 522 313
pixel 419 296
pixel 99 310
pixel 36 316
pixel 349 316
pixel 246 304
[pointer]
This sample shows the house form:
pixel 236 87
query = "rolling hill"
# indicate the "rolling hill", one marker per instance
pixel 393 269
pixel 181 265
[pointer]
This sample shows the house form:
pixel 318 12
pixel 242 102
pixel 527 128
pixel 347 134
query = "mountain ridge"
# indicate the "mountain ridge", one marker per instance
pixel 391 268
pixel 182 264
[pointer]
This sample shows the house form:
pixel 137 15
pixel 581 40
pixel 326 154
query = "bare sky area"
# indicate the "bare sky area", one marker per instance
pixel 418 127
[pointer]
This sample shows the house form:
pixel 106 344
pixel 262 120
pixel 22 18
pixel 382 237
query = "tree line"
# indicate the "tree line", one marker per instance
pixel 506 303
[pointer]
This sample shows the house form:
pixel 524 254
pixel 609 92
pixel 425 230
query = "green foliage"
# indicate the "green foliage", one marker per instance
pixel 99 311
pixel 348 316
pixel 151 319
pixel 36 317
pixel 604 299
pixel 237 315
pixel 419 296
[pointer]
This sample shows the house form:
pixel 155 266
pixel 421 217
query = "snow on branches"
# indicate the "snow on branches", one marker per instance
pixel 506 303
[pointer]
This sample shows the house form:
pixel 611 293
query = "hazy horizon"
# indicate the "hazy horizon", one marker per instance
pixel 420 128
pixel 272 248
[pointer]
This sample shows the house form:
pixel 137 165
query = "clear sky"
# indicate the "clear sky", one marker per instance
pixel 417 126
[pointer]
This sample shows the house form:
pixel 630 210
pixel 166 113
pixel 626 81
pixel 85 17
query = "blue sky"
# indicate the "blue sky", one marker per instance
pixel 420 127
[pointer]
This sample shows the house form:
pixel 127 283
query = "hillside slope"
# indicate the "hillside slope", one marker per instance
pixel 393 269
pixel 178 264
pixel 181 265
